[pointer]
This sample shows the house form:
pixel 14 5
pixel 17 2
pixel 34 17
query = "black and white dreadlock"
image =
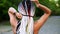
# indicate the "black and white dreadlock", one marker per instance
pixel 27 4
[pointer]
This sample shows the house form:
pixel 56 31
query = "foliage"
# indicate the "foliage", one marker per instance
pixel 54 5
pixel 5 4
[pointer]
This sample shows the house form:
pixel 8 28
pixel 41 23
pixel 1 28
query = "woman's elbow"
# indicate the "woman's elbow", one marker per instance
pixel 49 12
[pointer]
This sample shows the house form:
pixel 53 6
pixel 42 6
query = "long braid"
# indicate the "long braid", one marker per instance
pixel 23 3
pixel 25 26
pixel 28 4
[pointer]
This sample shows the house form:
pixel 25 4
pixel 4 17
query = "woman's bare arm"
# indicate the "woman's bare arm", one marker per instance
pixel 39 23
pixel 13 20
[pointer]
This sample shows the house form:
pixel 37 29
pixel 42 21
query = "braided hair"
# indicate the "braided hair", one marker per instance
pixel 28 4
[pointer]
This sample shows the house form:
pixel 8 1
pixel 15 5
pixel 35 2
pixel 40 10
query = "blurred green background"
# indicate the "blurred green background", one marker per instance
pixel 54 5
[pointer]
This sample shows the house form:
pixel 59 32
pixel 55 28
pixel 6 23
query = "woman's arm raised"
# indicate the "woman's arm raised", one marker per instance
pixel 39 23
pixel 14 12
pixel 13 20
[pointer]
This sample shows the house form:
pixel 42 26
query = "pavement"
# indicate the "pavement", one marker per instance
pixel 5 30
pixel 52 26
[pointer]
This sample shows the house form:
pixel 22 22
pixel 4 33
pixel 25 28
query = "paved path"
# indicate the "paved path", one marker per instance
pixel 52 26
pixel 5 30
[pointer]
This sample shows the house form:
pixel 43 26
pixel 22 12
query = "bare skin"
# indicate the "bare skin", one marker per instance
pixel 37 25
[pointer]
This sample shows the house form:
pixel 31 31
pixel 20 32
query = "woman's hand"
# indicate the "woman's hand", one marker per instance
pixel 36 2
pixel 12 10
pixel 18 15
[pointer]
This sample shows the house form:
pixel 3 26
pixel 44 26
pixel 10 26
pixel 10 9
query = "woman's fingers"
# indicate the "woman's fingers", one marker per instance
pixel 12 10
pixel 35 0
pixel 19 15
